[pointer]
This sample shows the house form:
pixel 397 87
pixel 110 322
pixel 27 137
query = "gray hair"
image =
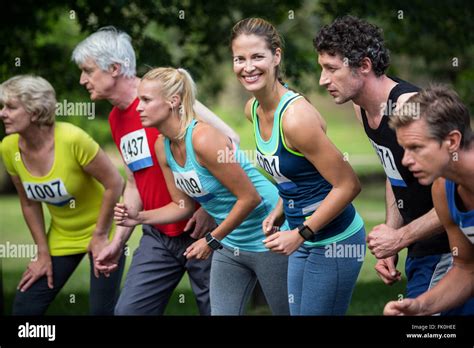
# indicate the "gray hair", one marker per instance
pixel 106 47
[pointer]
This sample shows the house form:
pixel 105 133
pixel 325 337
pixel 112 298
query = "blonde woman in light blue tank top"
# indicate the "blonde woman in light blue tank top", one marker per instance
pixel 201 164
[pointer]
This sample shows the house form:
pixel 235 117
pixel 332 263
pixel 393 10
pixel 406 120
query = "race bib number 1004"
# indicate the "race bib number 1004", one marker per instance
pixel 135 150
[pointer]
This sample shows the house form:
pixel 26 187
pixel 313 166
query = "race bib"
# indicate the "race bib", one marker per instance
pixel 388 163
pixel 189 183
pixel 271 164
pixel 135 150
pixel 51 192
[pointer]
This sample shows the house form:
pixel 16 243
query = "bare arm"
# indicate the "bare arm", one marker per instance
pixel 208 143
pixel 131 197
pixel 305 134
pixel 457 286
pixel 33 214
pixel 102 169
pixel 108 259
pixel 207 116
pixel 393 218
pixel 182 206
pixel 448 293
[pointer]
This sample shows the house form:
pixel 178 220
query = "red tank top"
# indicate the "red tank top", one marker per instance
pixel 136 145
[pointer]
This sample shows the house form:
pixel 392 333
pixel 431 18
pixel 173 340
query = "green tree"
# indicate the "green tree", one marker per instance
pixel 436 36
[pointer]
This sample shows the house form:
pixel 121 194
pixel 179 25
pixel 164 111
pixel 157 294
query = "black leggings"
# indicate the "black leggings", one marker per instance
pixel 103 291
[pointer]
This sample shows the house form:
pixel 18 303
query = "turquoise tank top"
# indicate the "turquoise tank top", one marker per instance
pixel 198 183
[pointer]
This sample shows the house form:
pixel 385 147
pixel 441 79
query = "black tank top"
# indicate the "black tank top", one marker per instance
pixel 412 198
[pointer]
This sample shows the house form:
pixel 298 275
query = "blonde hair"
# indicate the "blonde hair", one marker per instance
pixel 35 94
pixel 176 82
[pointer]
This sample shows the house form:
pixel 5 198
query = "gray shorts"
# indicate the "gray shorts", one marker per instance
pixel 234 274
pixel 157 267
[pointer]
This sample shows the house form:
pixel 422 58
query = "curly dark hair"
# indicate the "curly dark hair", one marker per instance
pixel 355 39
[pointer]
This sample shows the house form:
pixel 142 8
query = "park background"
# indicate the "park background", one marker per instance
pixel 429 41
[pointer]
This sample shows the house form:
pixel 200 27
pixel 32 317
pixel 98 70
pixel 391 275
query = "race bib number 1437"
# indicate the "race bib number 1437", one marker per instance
pixel 135 150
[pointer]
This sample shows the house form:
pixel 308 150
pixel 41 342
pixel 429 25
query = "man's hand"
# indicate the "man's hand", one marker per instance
pixel 35 270
pixel 406 306
pixel 96 245
pixel 384 241
pixel 202 223
pixel 199 250
pixel 108 259
pixel 125 215
pixel 386 270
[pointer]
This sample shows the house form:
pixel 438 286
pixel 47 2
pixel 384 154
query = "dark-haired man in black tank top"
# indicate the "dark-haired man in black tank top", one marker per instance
pixel 354 60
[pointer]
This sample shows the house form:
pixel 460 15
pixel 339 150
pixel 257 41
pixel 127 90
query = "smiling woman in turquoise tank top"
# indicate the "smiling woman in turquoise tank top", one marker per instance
pixel 195 163
pixel 315 183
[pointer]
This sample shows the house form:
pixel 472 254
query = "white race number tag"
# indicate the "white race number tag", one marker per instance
pixel 189 183
pixel 388 163
pixel 52 192
pixel 135 150
pixel 271 164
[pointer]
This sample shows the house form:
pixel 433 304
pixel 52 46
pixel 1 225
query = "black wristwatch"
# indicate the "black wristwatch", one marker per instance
pixel 305 232
pixel 213 243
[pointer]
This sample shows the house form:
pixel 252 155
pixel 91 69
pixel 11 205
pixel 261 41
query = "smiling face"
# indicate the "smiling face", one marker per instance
pixel 98 83
pixel 424 156
pixel 254 62
pixel 14 117
pixel 342 82
pixel 153 107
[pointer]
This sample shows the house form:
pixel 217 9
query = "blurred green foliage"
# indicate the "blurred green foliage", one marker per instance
pixel 429 40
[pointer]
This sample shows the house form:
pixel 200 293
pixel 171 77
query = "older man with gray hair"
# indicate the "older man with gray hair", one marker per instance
pixel 107 61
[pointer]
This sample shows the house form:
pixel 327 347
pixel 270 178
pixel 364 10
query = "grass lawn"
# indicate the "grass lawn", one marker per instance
pixel 369 296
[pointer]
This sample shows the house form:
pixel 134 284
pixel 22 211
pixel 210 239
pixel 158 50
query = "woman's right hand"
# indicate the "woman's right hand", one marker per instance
pixel 125 215
pixel 36 269
pixel 272 223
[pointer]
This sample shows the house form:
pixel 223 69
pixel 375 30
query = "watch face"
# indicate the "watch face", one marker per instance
pixel 306 233
pixel 212 242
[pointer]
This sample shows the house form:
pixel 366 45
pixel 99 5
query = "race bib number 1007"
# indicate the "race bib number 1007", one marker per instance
pixel 51 192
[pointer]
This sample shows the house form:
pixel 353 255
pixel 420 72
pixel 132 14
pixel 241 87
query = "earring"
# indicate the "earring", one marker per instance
pixel 181 110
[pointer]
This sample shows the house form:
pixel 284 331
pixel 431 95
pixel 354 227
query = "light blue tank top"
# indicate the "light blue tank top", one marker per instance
pixel 198 183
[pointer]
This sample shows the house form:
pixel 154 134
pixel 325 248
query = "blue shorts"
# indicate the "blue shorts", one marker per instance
pixel 423 273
